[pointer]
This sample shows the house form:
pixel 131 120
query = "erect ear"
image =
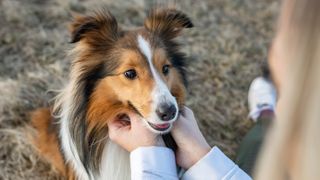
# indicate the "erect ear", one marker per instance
pixel 100 27
pixel 167 22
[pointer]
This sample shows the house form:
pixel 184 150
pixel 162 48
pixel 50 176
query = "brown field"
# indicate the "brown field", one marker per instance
pixel 227 49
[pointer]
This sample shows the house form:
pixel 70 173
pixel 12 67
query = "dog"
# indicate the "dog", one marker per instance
pixel 113 72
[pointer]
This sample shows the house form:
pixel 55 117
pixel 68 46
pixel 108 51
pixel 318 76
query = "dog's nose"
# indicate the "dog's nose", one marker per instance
pixel 166 112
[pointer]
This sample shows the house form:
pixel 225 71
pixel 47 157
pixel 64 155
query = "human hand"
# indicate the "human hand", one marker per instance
pixel 133 134
pixel 192 145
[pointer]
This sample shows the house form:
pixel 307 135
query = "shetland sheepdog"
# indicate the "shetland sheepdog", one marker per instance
pixel 113 72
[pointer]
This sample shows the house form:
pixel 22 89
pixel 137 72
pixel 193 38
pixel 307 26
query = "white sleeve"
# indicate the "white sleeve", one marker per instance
pixel 215 166
pixel 153 163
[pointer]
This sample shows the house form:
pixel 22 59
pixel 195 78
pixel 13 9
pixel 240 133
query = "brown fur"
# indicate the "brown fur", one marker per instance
pixel 47 143
pixel 167 22
pixel 46 138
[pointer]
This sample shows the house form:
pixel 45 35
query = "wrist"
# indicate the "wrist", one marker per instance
pixel 201 152
pixel 156 141
pixel 197 152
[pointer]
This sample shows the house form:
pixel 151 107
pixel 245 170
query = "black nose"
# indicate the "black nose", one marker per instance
pixel 166 112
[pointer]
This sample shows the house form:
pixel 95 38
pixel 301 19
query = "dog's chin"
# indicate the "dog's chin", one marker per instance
pixel 159 128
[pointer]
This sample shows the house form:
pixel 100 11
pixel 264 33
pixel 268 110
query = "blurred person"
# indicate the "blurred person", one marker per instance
pixel 262 98
pixel 291 151
pixel 292 147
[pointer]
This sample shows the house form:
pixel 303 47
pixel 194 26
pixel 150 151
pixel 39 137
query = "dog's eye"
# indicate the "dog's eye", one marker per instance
pixel 130 74
pixel 165 69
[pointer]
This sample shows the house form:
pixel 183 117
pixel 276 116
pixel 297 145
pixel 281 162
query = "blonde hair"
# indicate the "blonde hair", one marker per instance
pixel 292 148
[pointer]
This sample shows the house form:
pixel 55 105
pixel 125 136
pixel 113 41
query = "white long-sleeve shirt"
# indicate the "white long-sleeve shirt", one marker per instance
pixel 158 163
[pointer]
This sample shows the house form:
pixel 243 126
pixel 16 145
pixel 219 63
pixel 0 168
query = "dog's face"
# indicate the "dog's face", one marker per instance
pixel 140 71
pixel 146 82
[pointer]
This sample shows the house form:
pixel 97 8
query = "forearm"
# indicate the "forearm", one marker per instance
pixel 215 165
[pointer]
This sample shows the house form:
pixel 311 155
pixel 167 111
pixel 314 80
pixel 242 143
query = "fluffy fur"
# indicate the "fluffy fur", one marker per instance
pixel 99 91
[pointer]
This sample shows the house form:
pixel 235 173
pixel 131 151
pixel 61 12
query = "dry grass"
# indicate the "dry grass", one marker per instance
pixel 227 47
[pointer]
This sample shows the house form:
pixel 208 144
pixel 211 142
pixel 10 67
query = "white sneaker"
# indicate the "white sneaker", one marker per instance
pixel 262 96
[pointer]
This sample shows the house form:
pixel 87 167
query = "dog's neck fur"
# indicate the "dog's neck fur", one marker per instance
pixel 115 162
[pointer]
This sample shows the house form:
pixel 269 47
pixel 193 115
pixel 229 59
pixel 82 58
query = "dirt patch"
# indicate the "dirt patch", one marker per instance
pixel 226 50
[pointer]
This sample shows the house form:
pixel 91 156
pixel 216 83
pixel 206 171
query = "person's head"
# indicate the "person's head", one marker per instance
pixel 292 148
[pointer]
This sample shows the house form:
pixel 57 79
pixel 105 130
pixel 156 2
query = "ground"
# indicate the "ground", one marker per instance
pixel 227 49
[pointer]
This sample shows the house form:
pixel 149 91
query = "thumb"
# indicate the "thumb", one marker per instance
pixel 135 120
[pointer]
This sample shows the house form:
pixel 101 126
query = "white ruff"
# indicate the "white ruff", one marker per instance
pixel 115 162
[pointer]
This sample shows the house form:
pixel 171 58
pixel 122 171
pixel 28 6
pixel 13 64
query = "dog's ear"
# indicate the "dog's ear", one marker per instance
pixel 101 27
pixel 167 22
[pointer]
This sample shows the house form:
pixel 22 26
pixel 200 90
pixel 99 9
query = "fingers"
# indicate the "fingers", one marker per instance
pixel 134 118
pixel 132 134
pixel 123 121
pixel 187 111
pixel 136 122
pixel 120 129
pixel 117 124
pixel 185 121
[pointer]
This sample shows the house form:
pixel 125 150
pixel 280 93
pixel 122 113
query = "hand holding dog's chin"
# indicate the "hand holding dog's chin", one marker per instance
pixel 192 145
pixel 133 135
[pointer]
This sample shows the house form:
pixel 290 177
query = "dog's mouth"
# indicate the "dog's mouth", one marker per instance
pixel 160 127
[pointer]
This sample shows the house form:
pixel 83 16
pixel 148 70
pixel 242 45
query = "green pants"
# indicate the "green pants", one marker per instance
pixel 250 145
